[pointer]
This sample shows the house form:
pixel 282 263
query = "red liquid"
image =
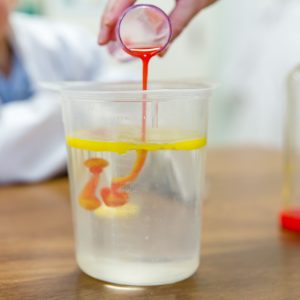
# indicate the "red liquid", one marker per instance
pixel 145 54
pixel 114 196
pixel 290 219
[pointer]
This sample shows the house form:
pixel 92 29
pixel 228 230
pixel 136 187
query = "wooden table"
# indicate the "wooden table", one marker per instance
pixel 244 253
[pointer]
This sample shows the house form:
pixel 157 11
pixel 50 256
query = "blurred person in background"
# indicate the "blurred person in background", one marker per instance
pixel 34 50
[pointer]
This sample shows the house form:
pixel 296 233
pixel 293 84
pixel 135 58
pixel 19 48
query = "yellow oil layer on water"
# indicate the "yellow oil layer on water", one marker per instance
pixel 122 140
pixel 123 147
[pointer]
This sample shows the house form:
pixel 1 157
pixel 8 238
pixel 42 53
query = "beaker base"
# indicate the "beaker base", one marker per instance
pixel 138 273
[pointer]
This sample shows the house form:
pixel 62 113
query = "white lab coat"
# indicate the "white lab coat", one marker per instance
pixel 32 145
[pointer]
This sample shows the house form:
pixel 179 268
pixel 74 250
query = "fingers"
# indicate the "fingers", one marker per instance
pixel 113 10
pixel 180 17
pixel 182 14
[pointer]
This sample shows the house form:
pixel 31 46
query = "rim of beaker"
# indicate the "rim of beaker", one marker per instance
pixel 86 91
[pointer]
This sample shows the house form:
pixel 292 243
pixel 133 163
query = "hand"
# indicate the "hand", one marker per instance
pixel 182 14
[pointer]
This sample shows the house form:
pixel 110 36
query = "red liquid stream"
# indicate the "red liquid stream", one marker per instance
pixel 113 196
pixel 145 54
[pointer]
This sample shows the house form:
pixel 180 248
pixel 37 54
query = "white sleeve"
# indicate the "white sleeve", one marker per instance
pixel 31 139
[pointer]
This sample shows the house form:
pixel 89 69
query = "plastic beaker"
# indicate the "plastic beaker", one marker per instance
pixel 136 201
pixel 290 213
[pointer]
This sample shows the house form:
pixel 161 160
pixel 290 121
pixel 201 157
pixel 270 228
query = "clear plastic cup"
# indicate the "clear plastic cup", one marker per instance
pixel 290 212
pixel 145 231
pixel 141 26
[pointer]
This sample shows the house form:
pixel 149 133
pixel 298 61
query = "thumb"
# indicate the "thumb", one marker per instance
pixel 112 12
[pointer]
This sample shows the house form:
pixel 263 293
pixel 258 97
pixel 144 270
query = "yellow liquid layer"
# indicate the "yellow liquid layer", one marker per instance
pixel 123 147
